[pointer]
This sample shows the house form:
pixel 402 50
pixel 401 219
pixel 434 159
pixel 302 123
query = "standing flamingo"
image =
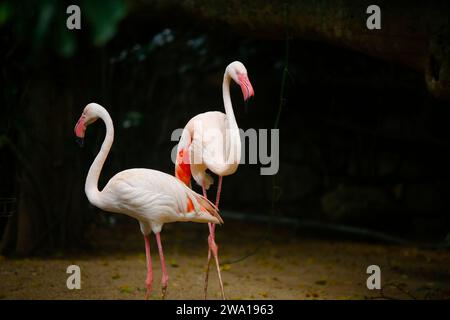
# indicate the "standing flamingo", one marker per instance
pixel 211 141
pixel 152 197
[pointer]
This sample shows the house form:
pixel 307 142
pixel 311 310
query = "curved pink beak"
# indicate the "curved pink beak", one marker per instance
pixel 246 86
pixel 80 128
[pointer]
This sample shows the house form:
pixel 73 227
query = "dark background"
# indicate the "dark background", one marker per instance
pixel 363 133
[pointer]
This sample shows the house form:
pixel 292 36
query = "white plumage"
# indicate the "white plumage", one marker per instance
pixel 211 141
pixel 152 197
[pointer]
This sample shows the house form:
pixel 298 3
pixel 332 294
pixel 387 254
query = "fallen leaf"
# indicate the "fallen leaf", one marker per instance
pixel 125 289
pixel 321 282
pixel 115 276
pixel 173 263
pixel 225 267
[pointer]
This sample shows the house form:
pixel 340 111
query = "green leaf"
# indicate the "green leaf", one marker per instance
pixel 103 17
pixel 45 17
pixel 125 289
pixel 5 12
pixel 66 43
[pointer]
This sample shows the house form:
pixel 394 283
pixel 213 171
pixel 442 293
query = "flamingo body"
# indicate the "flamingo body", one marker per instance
pixel 152 197
pixel 211 141
pixel 207 140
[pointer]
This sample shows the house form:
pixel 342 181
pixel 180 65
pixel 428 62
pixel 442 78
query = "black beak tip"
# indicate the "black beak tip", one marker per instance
pixel 248 101
pixel 80 142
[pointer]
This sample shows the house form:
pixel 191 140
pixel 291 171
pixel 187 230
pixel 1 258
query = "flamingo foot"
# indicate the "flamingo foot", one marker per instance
pixel 164 283
pixel 165 276
pixel 148 294
pixel 148 284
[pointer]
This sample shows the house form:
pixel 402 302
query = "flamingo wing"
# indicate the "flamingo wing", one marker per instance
pixel 211 144
pixel 182 162
pixel 158 197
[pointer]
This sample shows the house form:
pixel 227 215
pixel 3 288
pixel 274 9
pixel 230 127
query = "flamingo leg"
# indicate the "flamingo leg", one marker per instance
pixel 213 248
pixel 219 190
pixel 165 276
pixel 149 279
pixel 209 251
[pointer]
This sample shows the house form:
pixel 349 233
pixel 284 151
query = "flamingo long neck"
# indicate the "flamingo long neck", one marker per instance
pixel 233 142
pixel 91 186
pixel 227 101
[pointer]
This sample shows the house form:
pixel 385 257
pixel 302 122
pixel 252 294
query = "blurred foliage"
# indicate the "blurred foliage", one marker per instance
pixel 132 119
pixel 104 16
pixel 5 12
pixel 34 33
pixel 41 25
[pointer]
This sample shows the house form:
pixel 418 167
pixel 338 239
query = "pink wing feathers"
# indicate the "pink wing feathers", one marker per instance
pixel 182 164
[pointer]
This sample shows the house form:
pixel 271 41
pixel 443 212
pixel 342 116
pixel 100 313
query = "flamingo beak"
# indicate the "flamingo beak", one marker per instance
pixel 80 129
pixel 246 86
pixel 80 142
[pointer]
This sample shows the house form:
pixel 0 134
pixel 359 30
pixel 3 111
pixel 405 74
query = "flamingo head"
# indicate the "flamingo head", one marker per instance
pixel 88 117
pixel 238 73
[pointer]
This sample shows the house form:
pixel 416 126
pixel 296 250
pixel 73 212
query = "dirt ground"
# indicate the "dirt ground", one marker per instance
pixel 287 266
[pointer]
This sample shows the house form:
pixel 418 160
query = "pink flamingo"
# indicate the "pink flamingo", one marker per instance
pixel 211 141
pixel 152 197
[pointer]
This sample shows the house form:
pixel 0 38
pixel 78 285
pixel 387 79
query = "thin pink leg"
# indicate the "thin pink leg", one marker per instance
pixel 213 248
pixel 209 250
pixel 165 276
pixel 206 196
pixel 204 191
pixel 149 279
pixel 219 190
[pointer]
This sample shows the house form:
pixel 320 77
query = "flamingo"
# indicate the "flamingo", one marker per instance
pixel 211 141
pixel 152 197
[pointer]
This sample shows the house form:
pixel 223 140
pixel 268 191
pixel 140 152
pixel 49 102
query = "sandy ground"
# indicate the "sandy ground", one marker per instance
pixel 286 267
